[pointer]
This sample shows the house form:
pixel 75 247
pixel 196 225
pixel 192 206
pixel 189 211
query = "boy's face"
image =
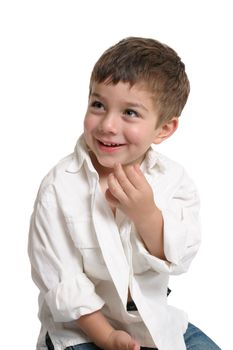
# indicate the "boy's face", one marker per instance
pixel 120 124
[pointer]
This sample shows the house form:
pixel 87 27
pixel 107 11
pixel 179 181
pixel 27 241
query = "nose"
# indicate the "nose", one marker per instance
pixel 109 123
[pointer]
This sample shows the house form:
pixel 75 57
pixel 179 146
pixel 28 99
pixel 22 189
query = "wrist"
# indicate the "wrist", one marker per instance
pixel 104 341
pixel 150 229
pixel 97 327
pixel 109 341
pixel 147 216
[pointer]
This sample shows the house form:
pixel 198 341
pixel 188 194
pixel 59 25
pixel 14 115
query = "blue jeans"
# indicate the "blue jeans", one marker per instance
pixel 194 339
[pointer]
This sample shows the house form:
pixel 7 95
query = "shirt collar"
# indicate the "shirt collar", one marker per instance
pixel 152 160
pixel 81 154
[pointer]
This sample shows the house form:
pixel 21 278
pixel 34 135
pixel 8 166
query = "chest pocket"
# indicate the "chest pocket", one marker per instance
pixel 84 238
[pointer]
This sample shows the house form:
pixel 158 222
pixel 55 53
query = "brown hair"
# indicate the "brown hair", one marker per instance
pixel 144 60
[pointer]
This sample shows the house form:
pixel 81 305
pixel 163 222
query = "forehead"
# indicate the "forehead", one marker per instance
pixel 121 89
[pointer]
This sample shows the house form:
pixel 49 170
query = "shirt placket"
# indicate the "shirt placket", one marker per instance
pixel 110 243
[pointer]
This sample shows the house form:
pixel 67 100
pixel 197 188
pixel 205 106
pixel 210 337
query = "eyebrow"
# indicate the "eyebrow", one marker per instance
pixel 129 103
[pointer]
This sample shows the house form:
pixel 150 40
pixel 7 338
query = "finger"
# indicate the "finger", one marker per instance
pixel 111 199
pixel 133 345
pixel 135 176
pixel 116 189
pixel 123 179
pixel 136 346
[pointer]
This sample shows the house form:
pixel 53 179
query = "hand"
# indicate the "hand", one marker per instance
pixel 120 340
pixel 129 191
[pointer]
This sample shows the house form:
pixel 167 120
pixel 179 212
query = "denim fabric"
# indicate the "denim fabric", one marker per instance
pixel 194 338
pixel 86 346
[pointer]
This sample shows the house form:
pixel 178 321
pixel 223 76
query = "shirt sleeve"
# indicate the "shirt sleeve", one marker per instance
pixel 182 233
pixel 56 263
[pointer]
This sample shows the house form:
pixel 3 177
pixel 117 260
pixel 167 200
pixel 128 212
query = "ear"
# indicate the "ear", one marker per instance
pixel 166 130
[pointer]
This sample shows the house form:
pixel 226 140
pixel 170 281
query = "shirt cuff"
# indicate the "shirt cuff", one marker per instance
pixel 73 298
pixel 181 242
pixel 153 262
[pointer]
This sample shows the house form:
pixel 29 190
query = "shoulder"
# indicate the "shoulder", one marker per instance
pixel 55 175
pixel 172 174
pixel 169 163
pixel 58 169
pixel 71 164
pixel 166 166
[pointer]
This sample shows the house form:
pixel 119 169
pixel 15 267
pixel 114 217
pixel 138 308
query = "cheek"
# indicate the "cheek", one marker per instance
pixel 88 123
pixel 136 135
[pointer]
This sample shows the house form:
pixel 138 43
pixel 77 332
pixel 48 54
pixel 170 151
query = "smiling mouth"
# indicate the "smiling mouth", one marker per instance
pixel 110 145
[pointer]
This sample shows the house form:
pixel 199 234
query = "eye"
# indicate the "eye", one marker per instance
pixel 131 113
pixel 97 104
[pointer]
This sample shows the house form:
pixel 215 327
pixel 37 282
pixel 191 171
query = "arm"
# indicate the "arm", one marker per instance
pixel 170 238
pixel 57 270
pixel 99 330
pixel 130 191
pixel 180 207
pixel 56 263
pixel 152 238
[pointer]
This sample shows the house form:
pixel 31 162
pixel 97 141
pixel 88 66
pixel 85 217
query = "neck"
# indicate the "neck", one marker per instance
pixel 101 170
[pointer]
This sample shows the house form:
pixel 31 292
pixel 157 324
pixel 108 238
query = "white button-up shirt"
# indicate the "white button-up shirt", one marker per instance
pixel 85 259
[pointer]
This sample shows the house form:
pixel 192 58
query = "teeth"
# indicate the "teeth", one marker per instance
pixel 111 144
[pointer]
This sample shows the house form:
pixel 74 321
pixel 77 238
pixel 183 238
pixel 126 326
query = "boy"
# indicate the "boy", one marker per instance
pixel 113 220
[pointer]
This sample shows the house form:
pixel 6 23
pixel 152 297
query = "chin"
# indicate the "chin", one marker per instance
pixel 100 163
pixel 109 165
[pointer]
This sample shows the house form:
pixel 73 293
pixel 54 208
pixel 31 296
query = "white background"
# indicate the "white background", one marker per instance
pixel 48 49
